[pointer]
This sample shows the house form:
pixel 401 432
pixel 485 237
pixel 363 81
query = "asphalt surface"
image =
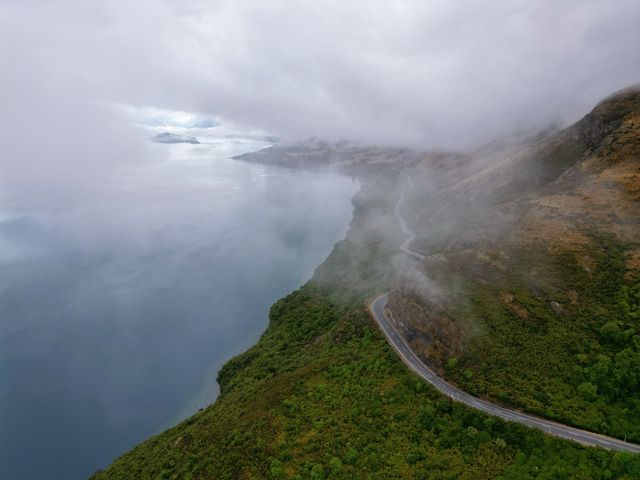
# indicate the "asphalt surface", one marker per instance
pixel 377 309
pixel 398 342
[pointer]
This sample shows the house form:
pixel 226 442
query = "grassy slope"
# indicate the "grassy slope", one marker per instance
pixel 322 395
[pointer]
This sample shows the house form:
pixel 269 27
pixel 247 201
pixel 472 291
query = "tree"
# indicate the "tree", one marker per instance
pixel 611 332
pixel 588 391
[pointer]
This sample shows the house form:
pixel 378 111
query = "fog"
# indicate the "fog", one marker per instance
pixel 126 270
pixel 116 313
pixel 412 73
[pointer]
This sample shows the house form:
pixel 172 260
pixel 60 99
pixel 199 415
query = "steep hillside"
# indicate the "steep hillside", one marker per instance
pixel 323 396
pixel 535 254
pixel 529 296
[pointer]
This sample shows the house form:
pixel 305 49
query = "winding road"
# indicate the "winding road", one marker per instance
pixel 397 341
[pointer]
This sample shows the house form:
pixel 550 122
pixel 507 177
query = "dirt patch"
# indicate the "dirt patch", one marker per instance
pixel 509 301
pixel 432 334
pixel 572 295
pixel 626 174
pixel 542 226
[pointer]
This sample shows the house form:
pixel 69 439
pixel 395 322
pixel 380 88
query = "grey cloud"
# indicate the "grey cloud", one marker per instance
pixel 424 74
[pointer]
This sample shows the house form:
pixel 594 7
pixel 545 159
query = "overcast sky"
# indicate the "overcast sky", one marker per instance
pixel 432 74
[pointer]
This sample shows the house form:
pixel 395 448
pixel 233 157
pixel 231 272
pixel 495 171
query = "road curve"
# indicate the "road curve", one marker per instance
pixel 377 311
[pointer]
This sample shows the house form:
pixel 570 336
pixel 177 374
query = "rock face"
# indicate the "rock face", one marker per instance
pixel 609 115
pixel 555 307
pixel 174 138
pixel 425 324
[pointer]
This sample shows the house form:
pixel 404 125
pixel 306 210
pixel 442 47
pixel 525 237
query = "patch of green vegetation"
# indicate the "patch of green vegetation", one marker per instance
pixel 322 395
pixel 580 365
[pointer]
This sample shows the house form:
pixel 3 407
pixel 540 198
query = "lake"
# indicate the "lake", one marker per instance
pixel 117 311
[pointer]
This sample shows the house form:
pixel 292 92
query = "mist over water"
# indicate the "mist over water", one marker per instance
pixel 118 308
pixel 130 271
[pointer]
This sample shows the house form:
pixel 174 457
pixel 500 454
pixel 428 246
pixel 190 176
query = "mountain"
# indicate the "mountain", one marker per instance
pixel 528 296
pixel 535 255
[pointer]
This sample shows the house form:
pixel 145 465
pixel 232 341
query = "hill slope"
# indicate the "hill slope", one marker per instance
pixel 536 257
pixel 521 287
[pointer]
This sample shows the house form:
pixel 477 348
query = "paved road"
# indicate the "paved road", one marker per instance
pixel 377 309
pixel 405 229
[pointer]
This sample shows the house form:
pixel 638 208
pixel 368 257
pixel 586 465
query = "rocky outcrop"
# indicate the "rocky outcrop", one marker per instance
pixel 608 116
pixel 431 332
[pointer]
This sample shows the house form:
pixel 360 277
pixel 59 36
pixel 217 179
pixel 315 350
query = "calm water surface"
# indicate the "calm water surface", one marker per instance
pixel 116 312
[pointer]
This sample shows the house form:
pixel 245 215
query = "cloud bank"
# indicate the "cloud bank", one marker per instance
pixel 435 74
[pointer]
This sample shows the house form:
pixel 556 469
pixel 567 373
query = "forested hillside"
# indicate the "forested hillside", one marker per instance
pixel 529 297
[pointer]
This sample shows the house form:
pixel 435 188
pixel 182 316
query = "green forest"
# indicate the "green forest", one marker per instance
pixel 322 396
pixel 579 365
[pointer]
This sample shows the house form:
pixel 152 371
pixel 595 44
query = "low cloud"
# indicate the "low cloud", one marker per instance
pixel 422 74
